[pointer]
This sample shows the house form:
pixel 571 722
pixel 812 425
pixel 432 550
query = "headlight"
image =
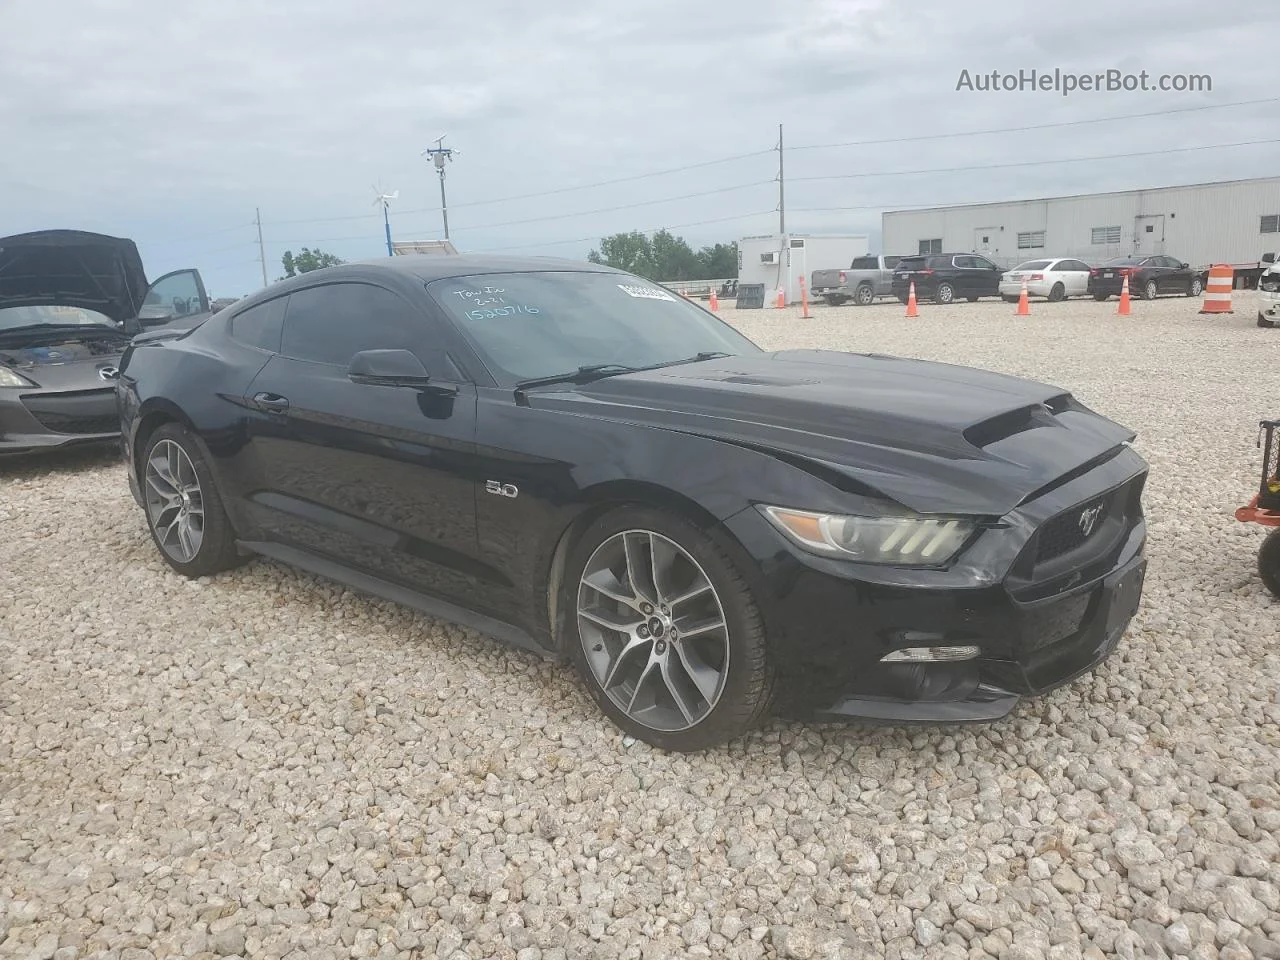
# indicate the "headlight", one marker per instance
pixel 1271 286
pixel 913 541
pixel 9 378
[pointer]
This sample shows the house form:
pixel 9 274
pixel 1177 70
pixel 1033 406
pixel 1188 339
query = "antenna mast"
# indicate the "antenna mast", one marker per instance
pixel 440 155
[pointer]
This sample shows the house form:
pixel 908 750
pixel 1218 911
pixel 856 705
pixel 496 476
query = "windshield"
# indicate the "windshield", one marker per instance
pixel 529 325
pixel 14 318
pixel 1033 265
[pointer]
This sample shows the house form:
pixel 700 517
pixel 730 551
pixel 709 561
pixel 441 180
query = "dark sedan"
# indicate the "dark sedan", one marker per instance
pixel 69 303
pixel 576 460
pixel 1149 277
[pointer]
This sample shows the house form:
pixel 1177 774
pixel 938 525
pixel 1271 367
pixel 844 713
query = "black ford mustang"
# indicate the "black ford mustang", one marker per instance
pixel 575 460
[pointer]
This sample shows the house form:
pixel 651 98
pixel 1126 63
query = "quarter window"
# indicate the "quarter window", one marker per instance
pixel 260 325
pixel 334 322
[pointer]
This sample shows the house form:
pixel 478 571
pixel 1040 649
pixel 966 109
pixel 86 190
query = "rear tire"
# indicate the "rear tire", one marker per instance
pixel 835 299
pixel 864 294
pixel 944 294
pixel 184 511
pixel 1269 562
pixel 1150 291
pixel 1058 293
pixel 650 692
pixel 1101 297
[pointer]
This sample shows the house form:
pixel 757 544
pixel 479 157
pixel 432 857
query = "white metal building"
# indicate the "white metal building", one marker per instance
pixel 780 262
pixel 1231 222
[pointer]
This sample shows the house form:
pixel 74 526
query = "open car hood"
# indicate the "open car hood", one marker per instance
pixel 72 268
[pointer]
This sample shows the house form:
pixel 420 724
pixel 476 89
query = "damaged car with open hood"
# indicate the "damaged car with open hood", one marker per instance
pixel 70 303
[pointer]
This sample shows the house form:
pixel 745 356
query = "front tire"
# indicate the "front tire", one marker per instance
pixel 1263 321
pixel 1196 287
pixel 184 511
pixel 1101 296
pixel 945 293
pixel 1269 562
pixel 666 632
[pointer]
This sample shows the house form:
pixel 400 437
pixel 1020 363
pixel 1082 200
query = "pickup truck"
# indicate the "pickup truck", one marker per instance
pixel 866 279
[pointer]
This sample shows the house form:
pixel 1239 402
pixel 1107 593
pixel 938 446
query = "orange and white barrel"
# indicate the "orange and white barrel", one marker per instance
pixel 1217 292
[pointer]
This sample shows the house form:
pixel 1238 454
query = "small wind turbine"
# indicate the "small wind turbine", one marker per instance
pixel 385 199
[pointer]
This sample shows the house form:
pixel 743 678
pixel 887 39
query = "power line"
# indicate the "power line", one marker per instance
pixel 595 238
pixel 1034 126
pixel 1037 163
pixel 625 206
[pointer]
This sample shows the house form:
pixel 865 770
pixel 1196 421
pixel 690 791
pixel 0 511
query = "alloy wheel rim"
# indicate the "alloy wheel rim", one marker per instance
pixel 175 502
pixel 653 630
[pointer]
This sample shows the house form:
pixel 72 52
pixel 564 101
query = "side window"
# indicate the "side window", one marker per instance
pixel 260 325
pixel 966 263
pixel 334 322
pixel 982 263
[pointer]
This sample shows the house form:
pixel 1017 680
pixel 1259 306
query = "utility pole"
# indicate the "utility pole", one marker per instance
pixel 262 250
pixel 784 255
pixel 440 154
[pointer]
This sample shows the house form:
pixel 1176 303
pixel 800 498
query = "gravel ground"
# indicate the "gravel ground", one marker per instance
pixel 265 765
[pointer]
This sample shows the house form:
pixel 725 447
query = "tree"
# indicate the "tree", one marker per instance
pixel 718 262
pixel 666 257
pixel 306 261
pixel 626 251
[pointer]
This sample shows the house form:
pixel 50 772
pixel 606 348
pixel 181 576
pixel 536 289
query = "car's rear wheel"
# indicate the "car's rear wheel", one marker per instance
pixel 666 632
pixel 1149 291
pixel 945 293
pixel 1101 296
pixel 864 294
pixel 835 299
pixel 184 511
pixel 1269 562
pixel 1057 293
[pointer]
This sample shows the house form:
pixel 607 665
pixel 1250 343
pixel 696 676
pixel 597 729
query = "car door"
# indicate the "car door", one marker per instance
pixel 1075 277
pixel 986 277
pixel 375 477
pixel 963 275
pixel 173 297
pixel 1178 278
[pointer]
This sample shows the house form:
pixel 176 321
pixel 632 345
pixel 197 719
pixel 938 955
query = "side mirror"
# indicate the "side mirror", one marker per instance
pixel 392 368
pixel 1186 266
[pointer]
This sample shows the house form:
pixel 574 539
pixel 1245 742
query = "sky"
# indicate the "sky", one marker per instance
pixel 173 123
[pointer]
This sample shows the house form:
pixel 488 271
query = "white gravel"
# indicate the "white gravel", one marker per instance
pixel 265 765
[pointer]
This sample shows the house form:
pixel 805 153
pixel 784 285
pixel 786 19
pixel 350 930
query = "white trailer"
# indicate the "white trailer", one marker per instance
pixel 779 262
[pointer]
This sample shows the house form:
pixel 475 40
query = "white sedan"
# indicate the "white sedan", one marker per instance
pixel 1053 279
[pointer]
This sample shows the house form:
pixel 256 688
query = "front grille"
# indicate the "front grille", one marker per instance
pixel 1069 531
pixel 78 412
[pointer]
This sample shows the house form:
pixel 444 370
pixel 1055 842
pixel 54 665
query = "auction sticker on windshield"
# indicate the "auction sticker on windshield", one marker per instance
pixel 646 293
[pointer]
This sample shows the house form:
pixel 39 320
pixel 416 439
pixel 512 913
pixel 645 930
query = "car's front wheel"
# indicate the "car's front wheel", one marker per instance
pixel 184 511
pixel 666 631
pixel 1269 562
pixel 1196 287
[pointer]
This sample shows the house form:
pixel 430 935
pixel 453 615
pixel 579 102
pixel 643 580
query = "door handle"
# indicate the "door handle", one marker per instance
pixel 271 402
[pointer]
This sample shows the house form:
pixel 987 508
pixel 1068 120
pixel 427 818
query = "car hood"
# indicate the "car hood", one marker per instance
pixel 72 268
pixel 67 365
pixel 936 438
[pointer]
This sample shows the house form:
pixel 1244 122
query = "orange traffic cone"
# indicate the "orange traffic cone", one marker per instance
pixel 1024 304
pixel 782 299
pixel 912 310
pixel 715 301
pixel 1124 298
pixel 804 299
pixel 1217 295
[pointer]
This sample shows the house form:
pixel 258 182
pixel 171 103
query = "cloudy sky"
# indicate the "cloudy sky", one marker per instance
pixel 170 123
